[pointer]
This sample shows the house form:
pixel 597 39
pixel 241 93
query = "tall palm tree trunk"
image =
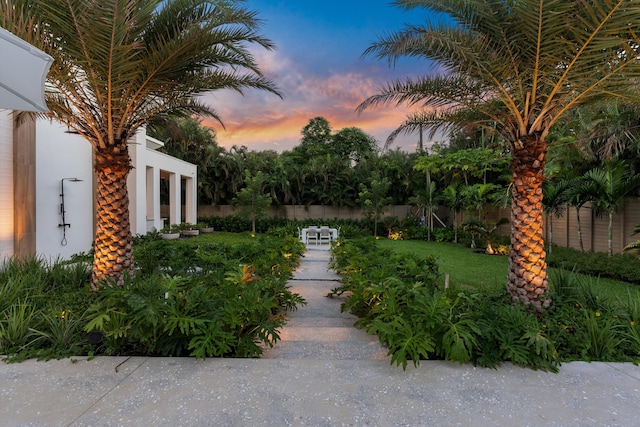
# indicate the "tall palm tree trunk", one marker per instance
pixel 455 226
pixel 113 255
pixel 550 222
pixel 610 234
pixel 527 275
pixel 579 229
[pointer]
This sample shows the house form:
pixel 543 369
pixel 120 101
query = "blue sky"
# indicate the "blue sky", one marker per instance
pixel 318 67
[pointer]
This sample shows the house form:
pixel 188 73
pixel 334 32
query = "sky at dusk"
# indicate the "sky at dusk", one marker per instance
pixel 319 69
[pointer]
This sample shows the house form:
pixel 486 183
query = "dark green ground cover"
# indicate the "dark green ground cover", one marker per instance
pixel 213 295
pixel 396 288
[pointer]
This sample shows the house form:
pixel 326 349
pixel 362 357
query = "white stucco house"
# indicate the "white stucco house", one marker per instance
pixel 47 188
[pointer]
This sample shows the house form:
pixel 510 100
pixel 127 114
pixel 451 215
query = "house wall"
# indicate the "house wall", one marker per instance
pixel 6 184
pixel 63 155
pixel 35 158
pixel 143 185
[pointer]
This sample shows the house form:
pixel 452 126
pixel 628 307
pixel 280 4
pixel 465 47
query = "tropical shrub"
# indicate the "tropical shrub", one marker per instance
pixel 198 316
pixel 633 247
pixel 42 307
pixel 207 296
pixel 624 267
pixel 401 299
pixel 586 324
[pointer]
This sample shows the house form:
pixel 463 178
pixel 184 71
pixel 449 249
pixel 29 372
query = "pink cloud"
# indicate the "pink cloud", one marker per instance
pixel 260 120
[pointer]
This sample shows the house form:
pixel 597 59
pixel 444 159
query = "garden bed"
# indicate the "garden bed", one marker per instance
pixel 400 296
pixel 233 306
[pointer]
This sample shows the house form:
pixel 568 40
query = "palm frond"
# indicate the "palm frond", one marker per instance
pixel 632 247
pixel 538 59
pixel 119 63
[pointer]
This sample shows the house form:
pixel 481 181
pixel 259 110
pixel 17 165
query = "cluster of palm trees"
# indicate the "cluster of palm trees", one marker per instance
pixel 464 176
pixel 605 188
pixel 322 180
pixel 593 162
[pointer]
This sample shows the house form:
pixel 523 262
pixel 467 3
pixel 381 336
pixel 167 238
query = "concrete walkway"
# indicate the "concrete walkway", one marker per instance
pixel 319 331
pixel 324 373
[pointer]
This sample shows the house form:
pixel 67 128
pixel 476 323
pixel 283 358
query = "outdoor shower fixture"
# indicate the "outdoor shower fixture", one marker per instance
pixel 64 224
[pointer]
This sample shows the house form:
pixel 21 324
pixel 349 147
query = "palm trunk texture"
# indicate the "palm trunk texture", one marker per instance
pixel 113 255
pixel 527 276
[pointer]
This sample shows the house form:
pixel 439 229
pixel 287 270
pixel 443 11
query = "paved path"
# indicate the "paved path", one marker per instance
pixel 314 379
pixel 319 331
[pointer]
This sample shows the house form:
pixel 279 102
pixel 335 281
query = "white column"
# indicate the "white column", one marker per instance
pixel 158 223
pixel 149 205
pixel 175 201
pixel 136 183
pixel 191 214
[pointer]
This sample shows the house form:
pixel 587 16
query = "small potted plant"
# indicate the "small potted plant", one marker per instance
pixel 170 232
pixel 205 228
pixel 189 230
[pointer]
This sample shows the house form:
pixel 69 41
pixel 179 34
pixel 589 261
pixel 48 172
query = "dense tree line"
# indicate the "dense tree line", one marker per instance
pixel 326 168
pixel 468 174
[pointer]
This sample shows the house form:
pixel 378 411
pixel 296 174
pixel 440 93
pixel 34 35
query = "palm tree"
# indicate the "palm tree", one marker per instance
pixel 452 198
pixel 478 196
pixel 426 200
pixel 485 229
pixel 577 195
pixel 612 129
pixel 227 175
pixel 278 182
pixel 187 139
pixel 120 63
pixel 373 198
pixel 608 187
pixel 253 199
pixel 516 68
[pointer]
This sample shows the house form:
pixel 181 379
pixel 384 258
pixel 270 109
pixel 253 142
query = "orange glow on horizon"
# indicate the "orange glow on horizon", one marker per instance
pixel 282 132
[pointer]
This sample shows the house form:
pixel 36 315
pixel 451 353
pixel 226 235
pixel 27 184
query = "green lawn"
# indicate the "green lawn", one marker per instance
pixel 225 237
pixel 464 266
pixel 469 268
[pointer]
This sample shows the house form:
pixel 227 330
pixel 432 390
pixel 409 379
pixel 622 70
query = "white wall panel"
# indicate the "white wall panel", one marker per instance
pixel 6 184
pixel 62 155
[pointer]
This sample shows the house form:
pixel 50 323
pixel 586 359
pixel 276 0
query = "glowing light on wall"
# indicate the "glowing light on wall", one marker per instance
pixel 6 184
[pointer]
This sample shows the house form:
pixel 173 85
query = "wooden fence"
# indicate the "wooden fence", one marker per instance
pixel 565 230
pixel 595 230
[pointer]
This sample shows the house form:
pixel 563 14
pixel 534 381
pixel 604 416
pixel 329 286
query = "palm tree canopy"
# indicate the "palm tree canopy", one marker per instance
pixel 609 185
pixel 117 64
pixel 555 196
pixel 515 65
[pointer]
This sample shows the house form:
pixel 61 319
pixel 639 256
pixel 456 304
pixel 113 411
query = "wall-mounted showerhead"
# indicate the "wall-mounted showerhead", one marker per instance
pixel 64 224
